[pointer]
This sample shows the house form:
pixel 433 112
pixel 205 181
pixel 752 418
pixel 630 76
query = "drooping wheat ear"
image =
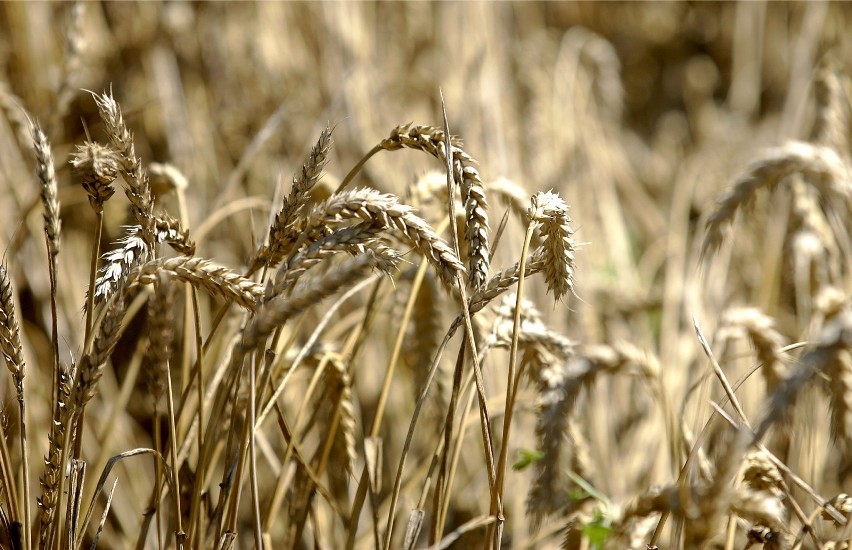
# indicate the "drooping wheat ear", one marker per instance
pixel 355 239
pixel 97 166
pixel 161 337
pixel 820 166
pixel 47 177
pixel 217 280
pixel 276 312
pixel 832 107
pixel 549 210
pixel 840 397
pixel 10 338
pixel 138 189
pixel 282 233
pixel 432 141
pixel 131 251
pixel 386 211
pixel 559 384
pixel 91 366
pixel 170 231
pixel 11 107
pixel 760 330
pixel 512 196
pixel 835 336
pixel 165 177
pixel 53 463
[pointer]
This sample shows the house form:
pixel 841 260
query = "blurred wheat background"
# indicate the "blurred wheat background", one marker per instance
pixel 703 149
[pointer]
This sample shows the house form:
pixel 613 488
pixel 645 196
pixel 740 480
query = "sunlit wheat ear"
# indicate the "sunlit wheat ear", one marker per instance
pixel 282 232
pixel 169 230
pixel 760 330
pixel 432 141
pixel 217 280
pixel 138 187
pixel 49 189
pixel 338 392
pixel 97 167
pixel 129 252
pixel 551 212
pixel 820 166
pixel 387 212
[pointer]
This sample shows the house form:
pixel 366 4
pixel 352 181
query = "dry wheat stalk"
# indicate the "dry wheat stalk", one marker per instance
pixel 219 281
pixel 386 211
pixel 432 141
pixel 282 232
pixel 138 188
pixel 47 177
pixel 505 279
pixel 821 167
pixel 276 312
pixel 842 503
pixel 760 330
pixel 551 212
pixel 97 166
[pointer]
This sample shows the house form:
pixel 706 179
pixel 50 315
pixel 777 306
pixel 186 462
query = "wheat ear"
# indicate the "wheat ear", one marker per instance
pixel 282 233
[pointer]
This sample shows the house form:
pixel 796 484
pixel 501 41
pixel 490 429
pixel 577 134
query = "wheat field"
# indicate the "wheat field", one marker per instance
pixel 426 275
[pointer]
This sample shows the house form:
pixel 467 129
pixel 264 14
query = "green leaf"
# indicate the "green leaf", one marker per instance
pixel 598 531
pixel 527 457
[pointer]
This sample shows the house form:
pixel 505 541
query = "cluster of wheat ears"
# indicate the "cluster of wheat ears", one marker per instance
pixel 239 385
